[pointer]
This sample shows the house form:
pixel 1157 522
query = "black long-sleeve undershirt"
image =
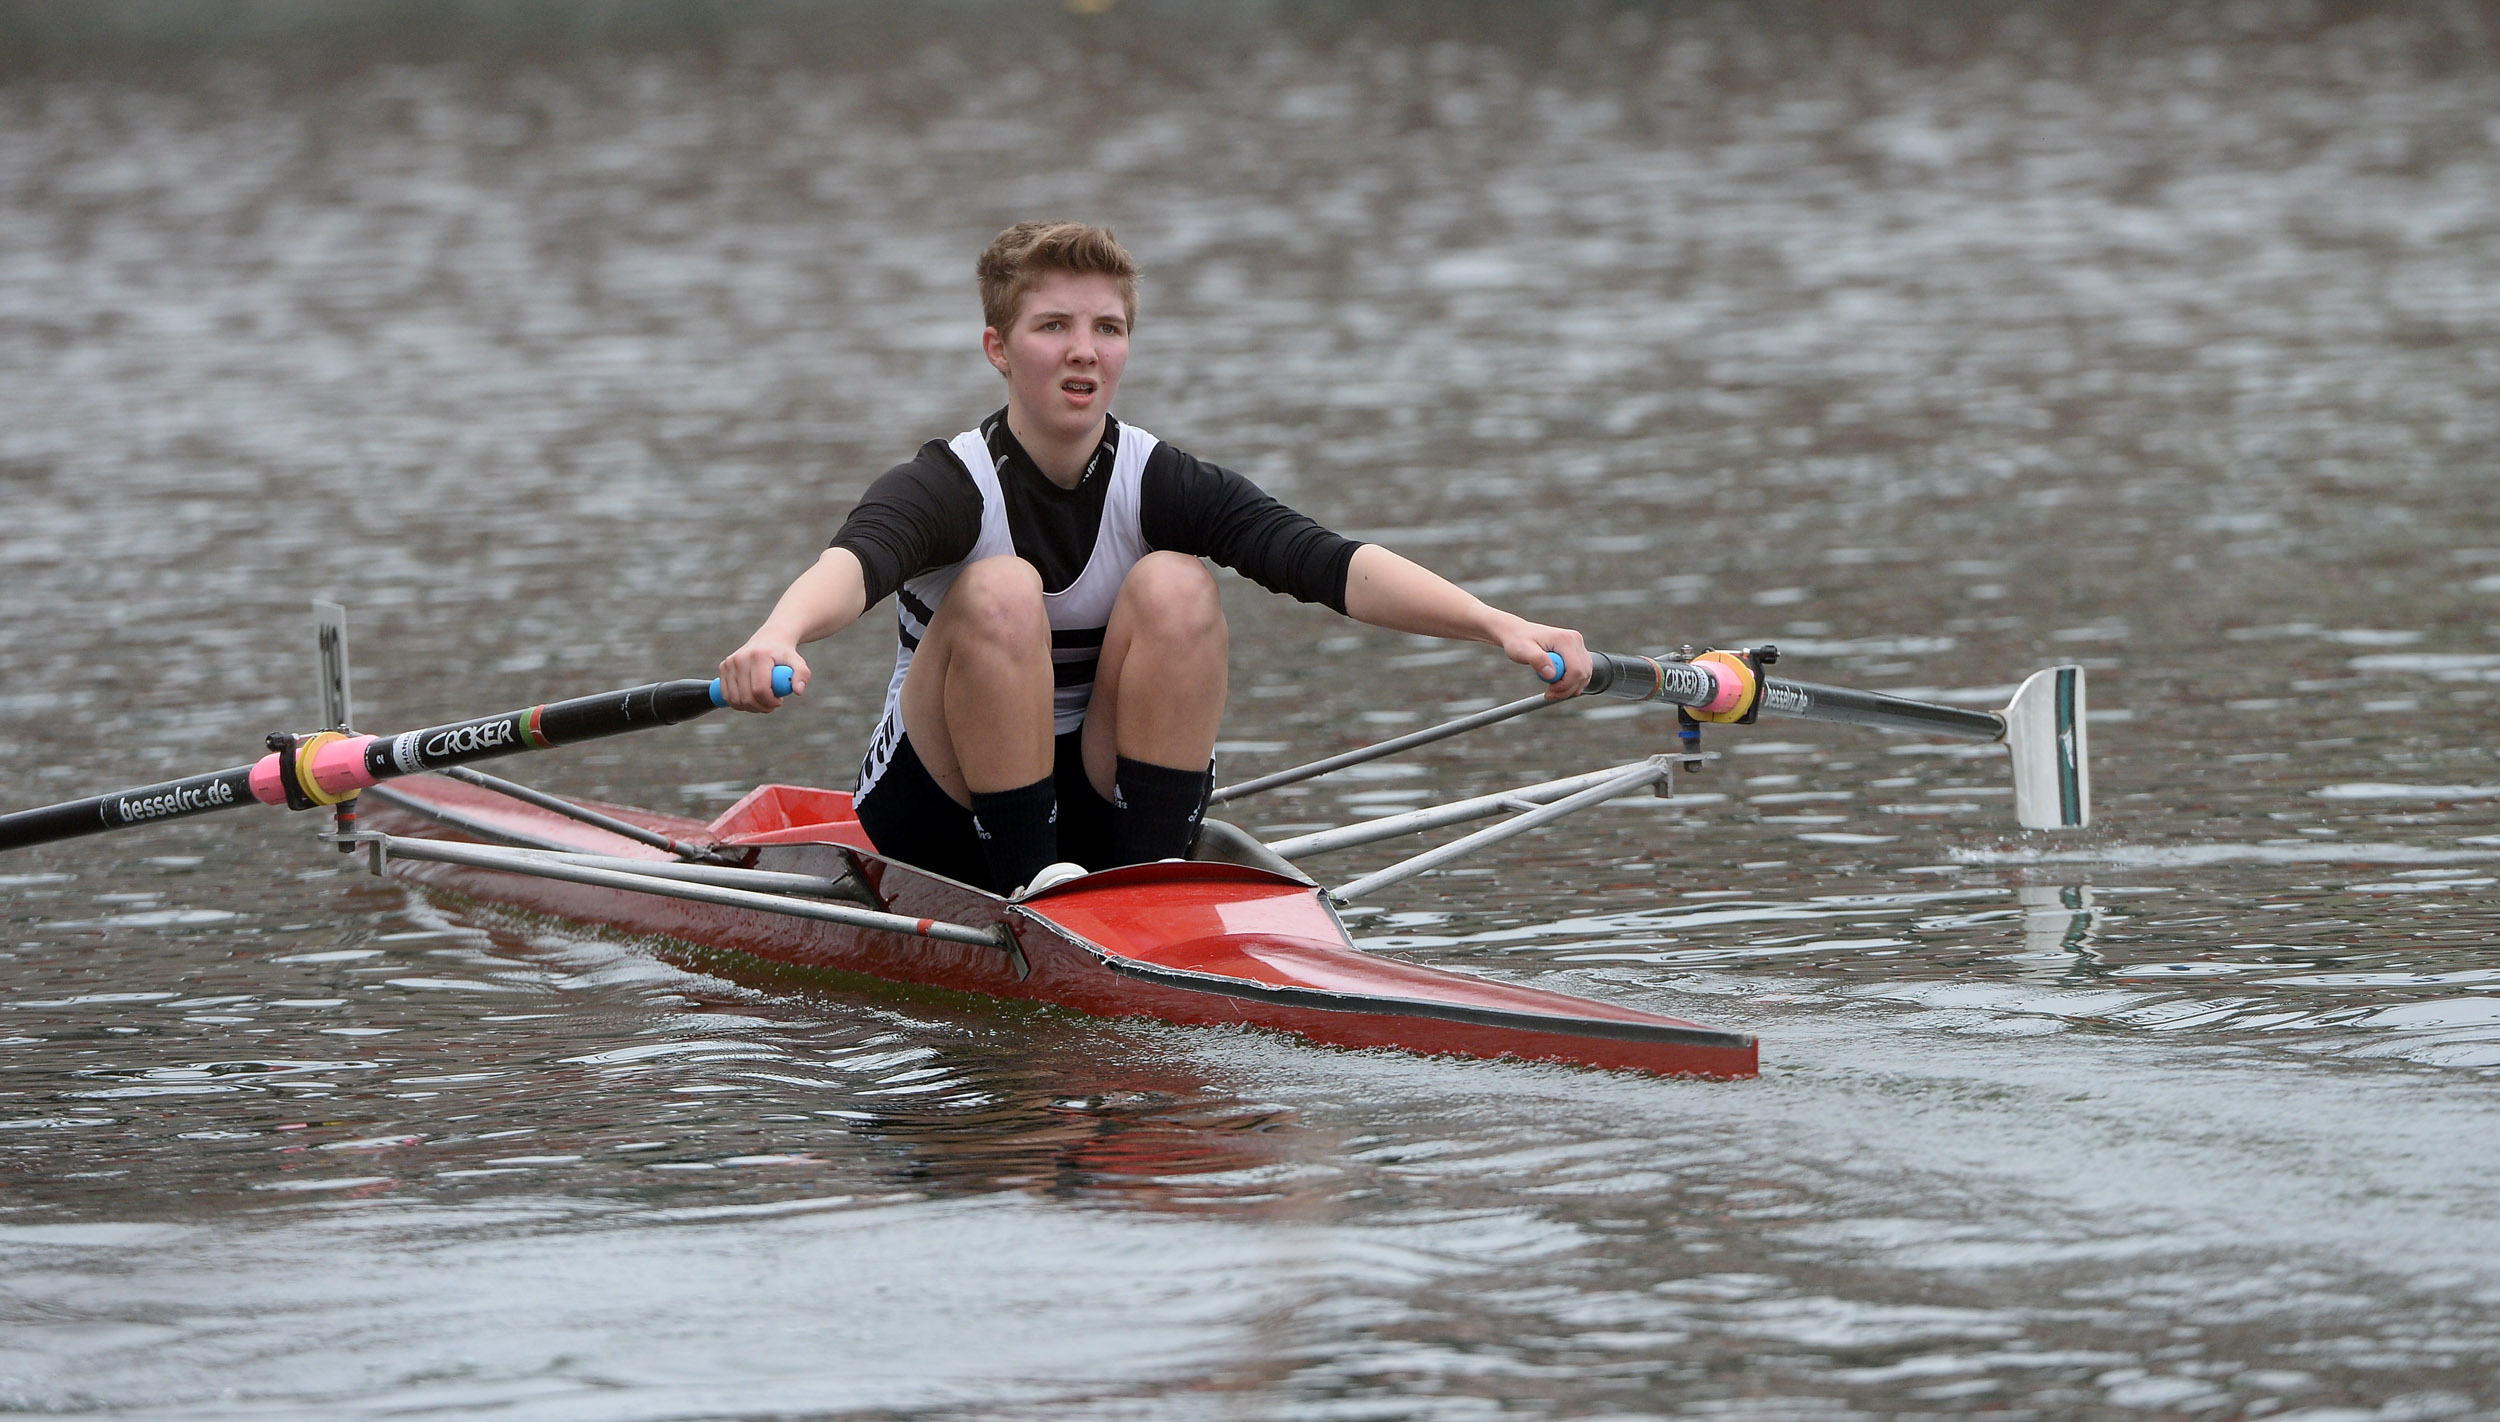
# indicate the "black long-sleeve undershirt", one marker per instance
pixel 925 514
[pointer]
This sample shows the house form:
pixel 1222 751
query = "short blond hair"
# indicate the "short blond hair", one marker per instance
pixel 1018 258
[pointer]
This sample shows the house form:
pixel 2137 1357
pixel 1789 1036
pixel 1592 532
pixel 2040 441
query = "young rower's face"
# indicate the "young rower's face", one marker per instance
pixel 1064 354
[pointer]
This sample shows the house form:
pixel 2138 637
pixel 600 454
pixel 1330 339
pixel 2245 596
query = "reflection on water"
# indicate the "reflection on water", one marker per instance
pixel 1933 347
pixel 484 1041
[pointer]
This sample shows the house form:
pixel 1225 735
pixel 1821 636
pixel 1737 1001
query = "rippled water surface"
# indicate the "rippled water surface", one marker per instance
pixel 1937 344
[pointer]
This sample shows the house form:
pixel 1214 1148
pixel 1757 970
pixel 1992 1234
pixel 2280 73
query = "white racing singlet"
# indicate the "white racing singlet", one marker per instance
pixel 1078 613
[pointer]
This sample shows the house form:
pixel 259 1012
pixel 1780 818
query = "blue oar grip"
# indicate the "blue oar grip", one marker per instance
pixel 782 681
pixel 1557 675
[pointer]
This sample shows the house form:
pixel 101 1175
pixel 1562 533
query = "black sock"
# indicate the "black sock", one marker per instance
pixel 1155 810
pixel 1019 831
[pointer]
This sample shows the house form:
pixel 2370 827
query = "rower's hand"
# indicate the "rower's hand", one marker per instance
pixel 1535 646
pixel 746 675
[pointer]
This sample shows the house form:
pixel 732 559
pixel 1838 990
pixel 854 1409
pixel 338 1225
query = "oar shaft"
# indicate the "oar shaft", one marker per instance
pixel 339 768
pixel 1714 685
pixel 557 723
pixel 169 800
pixel 1806 701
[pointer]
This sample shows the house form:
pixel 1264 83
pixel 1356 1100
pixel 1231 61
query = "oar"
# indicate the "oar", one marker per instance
pixel 324 769
pixel 2043 725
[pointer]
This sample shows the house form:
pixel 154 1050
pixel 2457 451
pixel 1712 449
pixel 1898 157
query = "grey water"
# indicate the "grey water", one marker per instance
pixel 1934 343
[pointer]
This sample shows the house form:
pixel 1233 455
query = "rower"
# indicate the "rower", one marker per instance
pixel 1062 668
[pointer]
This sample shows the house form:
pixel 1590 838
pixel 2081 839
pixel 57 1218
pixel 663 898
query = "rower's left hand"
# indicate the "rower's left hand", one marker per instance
pixel 1535 646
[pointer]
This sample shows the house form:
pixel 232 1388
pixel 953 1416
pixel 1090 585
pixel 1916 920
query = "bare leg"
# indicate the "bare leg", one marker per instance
pixel 1159 690
pixel 977 699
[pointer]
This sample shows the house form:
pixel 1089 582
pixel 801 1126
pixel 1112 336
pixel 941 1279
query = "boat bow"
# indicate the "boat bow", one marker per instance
pixel 1274 949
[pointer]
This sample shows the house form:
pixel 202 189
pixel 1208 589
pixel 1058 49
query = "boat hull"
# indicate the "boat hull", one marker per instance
pixel 1197 943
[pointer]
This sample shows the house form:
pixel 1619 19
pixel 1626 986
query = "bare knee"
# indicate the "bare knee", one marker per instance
pixel 1171 597
pixel 997 602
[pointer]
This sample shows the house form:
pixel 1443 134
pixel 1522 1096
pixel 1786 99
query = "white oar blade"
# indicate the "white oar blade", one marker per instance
pixel 338 708
pixel 2044 729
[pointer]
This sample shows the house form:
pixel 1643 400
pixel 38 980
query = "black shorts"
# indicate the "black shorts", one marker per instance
pixel 908 817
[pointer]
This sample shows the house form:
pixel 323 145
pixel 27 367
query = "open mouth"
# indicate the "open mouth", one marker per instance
pixel 1078 387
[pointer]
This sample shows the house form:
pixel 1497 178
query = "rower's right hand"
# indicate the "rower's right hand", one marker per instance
pixel 746 675
pixel 1557 654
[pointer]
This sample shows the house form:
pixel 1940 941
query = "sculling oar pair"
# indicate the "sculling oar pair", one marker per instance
pixel 331 767
pixel 2043 726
